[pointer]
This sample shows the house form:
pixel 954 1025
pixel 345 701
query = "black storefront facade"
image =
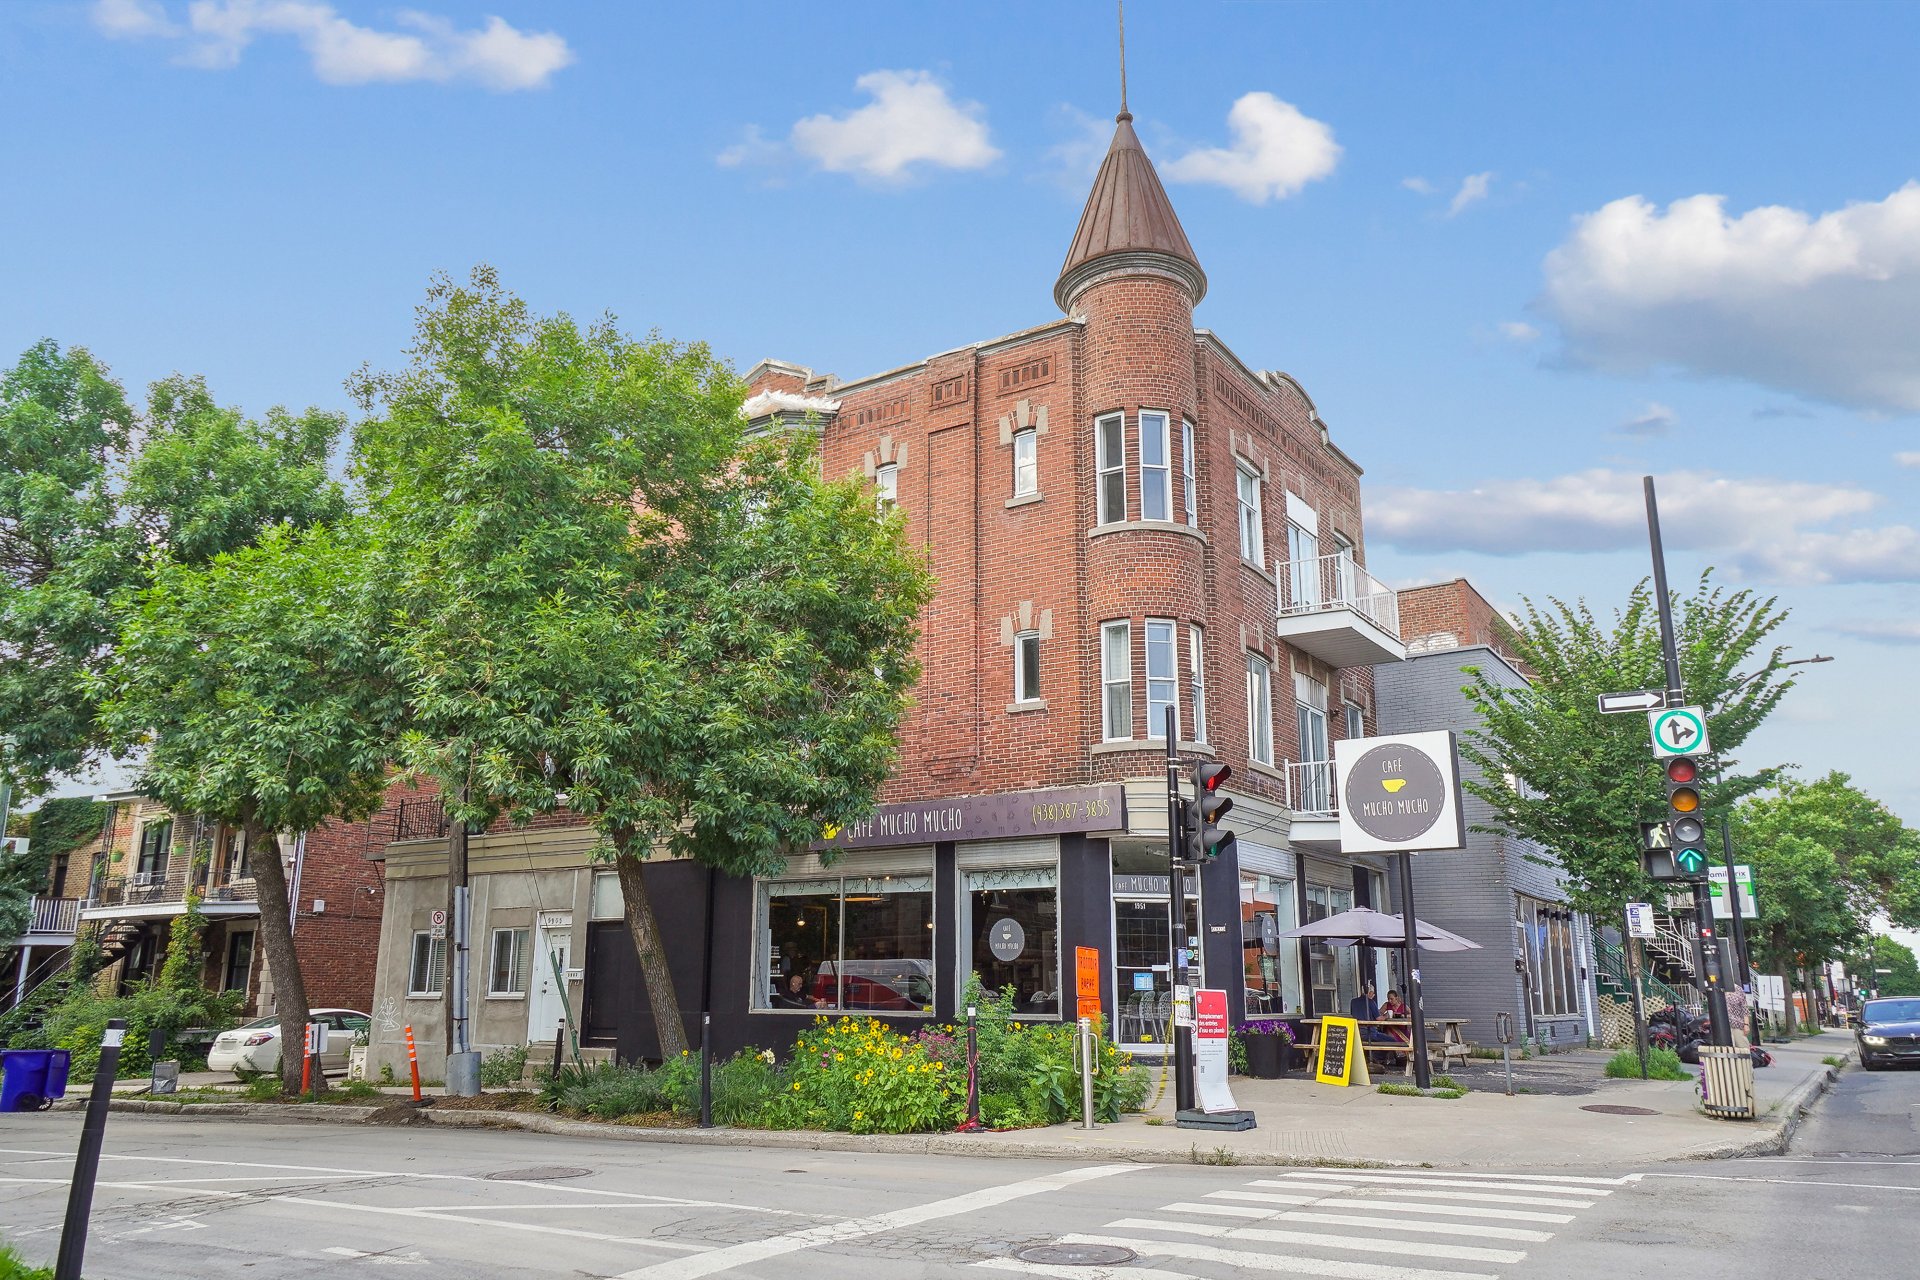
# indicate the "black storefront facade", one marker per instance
pixel 888 923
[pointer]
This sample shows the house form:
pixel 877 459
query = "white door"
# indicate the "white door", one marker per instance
pixel 546 1007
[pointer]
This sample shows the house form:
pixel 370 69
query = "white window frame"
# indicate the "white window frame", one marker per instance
pixel 436 958
pixel 886 482
pixel 1111 471
pixel 1303 560
pixel 1156 479
pixel 1259 709
pixel 1021 691
pixel 1355 720
pixel 521 963
pixel 1253 542
pixel 1168 642
pixel 1197 679
pixel 1189 492
pixel 1111 683
pixel 1026 462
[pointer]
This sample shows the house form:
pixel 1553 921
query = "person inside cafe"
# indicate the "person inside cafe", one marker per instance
pixel 793 993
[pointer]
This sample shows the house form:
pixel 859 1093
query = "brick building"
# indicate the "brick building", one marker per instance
pixel 1125 518
pixel 1539 958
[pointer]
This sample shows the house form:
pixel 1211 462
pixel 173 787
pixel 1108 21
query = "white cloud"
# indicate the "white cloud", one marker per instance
pixel 1908 458
pixel 1419 186
pixel 1881 630
pixel 1073 162
pixel 1276 151
pixel 1655 419
pixel 1518 331
pixel 131 19
pixel 1820 306
pixel 496 55
pixel 1759 528
pixel 911 121
pixel 1472 188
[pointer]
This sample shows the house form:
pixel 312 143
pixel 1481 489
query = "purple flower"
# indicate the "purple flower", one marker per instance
pixel 1266 1027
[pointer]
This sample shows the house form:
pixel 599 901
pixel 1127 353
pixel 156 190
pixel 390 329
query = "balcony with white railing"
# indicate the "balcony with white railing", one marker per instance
pixel 52 920
pixel 1335 610
pixel 1315 803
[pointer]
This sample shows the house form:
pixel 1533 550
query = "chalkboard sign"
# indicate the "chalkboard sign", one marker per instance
pixel 1339 1045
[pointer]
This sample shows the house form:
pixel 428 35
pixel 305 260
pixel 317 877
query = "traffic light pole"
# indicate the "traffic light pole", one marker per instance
pixel 1706 942
pixel 1176 920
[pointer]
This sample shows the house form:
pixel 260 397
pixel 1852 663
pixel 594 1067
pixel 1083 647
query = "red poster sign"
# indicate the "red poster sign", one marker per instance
pixel 1209 1014
pixel 1086 970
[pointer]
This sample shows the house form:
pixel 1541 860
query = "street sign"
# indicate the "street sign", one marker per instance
pixel 1717 886
pixel 1400 793
pixel 1210 1052
pixel 1613 704
pixel 1679 731
pixel 437 924
pixel 1182 1006
pixel 1640 920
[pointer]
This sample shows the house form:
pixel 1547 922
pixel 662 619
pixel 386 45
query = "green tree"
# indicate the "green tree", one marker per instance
pixel 1827 859
pixel 1578 783
pixel 612 599
pixel 258 686
pixel 1902 976
pixel 54 830
pixel 64 552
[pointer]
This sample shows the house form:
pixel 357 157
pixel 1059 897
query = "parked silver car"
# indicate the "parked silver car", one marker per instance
pixel 256 1046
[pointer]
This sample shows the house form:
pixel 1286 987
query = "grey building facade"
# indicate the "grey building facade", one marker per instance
pixel 1537 959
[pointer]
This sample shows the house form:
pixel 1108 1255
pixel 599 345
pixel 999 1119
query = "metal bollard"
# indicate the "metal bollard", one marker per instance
pixel 973 1072
pixel 706 1071
pixel 86 1162
pixel 1503 1028
pixel 1086 1073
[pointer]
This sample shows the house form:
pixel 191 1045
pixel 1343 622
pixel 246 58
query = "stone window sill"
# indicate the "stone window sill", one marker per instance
pixel 1147 526
pixel 1023 500
pixel 1268 771
pixel 1265 577
pixel 1158 745
pixel 1036 704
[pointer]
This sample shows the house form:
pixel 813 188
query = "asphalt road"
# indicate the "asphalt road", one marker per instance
pixel 196 1198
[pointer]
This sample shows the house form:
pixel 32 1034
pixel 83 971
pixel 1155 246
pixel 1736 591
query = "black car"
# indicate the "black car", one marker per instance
pixel 1889 1031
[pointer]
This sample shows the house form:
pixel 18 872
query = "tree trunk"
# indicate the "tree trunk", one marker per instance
pixel 456 881
pixel 645 930
pixel 276 935
pixel 1787 1020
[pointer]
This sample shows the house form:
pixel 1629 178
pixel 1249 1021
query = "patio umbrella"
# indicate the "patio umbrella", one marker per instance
pixel 1363 926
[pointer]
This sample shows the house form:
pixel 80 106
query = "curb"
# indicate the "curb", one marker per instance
pixel 1786 1122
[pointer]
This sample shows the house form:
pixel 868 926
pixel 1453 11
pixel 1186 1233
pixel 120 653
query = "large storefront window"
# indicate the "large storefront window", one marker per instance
pixel 858 943
pixel 1143 982
pixel 1013 923
pixel 1546 937
pixel 1335 970
pixel 1272 966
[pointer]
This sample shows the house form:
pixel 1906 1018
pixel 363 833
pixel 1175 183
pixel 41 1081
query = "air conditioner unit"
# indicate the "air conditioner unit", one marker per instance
pixel 147 879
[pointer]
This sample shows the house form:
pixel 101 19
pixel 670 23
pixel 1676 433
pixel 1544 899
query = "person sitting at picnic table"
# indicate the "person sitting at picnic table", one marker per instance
pixel 1364 1007
pixel 1395 1007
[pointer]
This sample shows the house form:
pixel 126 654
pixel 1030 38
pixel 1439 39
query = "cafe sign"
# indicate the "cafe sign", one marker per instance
pixel 1010 815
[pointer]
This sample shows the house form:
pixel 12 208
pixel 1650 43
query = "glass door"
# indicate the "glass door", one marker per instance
pixel 1143 982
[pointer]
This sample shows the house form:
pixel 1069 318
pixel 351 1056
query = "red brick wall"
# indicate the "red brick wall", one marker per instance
pixel 1456 609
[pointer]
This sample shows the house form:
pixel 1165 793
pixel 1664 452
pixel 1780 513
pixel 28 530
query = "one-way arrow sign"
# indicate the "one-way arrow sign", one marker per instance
pixel 1613 704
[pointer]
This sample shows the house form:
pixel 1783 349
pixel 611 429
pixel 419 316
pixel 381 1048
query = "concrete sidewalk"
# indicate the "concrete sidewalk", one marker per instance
pixel 1300 1123
pixel 1301 1120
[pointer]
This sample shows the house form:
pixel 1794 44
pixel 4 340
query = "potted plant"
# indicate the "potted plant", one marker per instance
pixel 1269 1044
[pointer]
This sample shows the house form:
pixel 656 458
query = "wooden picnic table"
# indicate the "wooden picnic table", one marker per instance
pixel 1444 1039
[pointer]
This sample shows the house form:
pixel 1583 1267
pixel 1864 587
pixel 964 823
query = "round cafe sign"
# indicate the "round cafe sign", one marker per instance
pixel 1395 793
pixel 1006 939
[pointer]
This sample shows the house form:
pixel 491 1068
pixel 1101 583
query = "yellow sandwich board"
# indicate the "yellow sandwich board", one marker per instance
pixel 1342 1060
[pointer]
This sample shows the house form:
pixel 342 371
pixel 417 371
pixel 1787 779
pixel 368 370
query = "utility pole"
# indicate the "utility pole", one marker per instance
pixel 1706 942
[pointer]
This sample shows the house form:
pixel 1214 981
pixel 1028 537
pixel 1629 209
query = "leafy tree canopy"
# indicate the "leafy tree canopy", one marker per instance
pixel 1578 783
pixel 1902 976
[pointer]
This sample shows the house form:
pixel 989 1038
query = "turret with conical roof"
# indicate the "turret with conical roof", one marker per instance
pixel 1128 226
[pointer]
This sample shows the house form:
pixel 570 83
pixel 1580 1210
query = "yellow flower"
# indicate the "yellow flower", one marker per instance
pixel 839 1057
pixel 796 1086
pixel 896 1055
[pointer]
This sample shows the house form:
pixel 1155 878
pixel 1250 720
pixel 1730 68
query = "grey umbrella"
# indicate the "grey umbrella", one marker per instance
pixel 1363 926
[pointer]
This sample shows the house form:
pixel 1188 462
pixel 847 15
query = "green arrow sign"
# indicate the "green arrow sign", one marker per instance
pixel 1690 861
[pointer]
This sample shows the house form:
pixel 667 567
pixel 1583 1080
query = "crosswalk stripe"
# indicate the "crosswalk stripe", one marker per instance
pixel 1448 1210
pixel 1361 1220
pixel 1326 1268
pixel 1262 1197
pixel 1485 1185
pixel 1483 1197
pixel 1444 1174
pixel 1021 1266
pixel 1355 1244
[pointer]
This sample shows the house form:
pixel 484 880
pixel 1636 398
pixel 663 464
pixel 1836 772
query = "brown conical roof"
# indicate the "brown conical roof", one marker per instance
pixel 1127 213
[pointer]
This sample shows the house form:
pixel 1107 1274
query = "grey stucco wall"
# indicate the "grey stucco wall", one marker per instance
pixel 1472 892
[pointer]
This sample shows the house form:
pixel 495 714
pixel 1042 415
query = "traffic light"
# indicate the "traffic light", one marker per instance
pixel 1687 834
pixel 1201 836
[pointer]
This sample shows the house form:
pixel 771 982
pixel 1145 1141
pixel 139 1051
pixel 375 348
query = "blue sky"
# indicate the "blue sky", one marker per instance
pixel 1519 254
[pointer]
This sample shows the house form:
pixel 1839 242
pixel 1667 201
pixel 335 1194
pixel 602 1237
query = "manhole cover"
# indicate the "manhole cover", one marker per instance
pixel 1614 1109
pixel 1076 1255
pixel 542 1173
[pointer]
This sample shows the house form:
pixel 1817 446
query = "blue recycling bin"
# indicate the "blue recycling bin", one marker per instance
pixel 30 1079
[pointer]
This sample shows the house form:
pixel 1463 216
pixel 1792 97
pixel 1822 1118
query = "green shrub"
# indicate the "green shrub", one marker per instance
pixel 503 1067
pixel 14 1267
pixel 1035 1062
pixel 743 1088
pixel 1662 1064
pixel 857 1075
